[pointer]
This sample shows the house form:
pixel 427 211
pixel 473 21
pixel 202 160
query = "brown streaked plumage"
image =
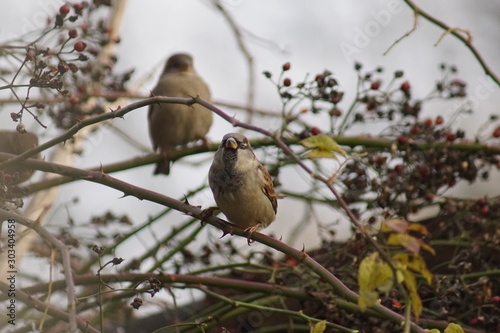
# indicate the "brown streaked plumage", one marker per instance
pixel 172 125
pixel 13 142
pixel 242 187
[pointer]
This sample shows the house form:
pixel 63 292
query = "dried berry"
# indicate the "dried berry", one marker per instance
pixel 73 33
pixel 80 46
pixel 64 9
pixel 375 85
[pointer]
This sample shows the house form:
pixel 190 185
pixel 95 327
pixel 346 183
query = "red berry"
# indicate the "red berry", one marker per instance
pixel 73 100
pixel 405 86
pixel 399 168
pixel 495 299
pixel 287 82
pixel 484 211
pixel 318 77
pixel 396 304
pixel 415 130
pixel 84 27
pixel 474 322
pixel 451 137
pixel 80 46
pixel 424 171
pixel 336 99
pixel 286 66
pixel 379 160
pixel 375 85
pixel 402 140
pixel 458 83
pixel 78 8
pixel 315 131
pixel 439 120
pixel 335 112
pixel 73 33
pixel 64 9
pixel 371 106
pixel 481 202
pixel 496 132
pixel 428 122
pixel 429 197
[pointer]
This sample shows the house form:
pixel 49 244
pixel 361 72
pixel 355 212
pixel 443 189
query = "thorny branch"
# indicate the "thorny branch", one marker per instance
pixel 143 194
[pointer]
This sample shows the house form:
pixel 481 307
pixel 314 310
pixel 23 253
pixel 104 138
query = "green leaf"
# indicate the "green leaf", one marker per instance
pixel 319 327
pixel 323 147
pixel 316 153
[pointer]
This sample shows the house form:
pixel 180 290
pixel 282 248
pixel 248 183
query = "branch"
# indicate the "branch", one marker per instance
pixel 453 31
pixel 248 56
pixel 45 234
pixel 40 306
pixel 143 194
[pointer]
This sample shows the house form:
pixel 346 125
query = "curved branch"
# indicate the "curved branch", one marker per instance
pixel 66 260
pixel 28 299
pixel 144 194
pixel 248 56
pixel 465 41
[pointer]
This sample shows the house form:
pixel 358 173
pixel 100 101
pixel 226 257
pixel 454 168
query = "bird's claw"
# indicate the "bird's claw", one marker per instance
pixel 206 213
pixel 249 231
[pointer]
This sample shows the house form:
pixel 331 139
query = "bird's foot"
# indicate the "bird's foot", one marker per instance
pixel 206 213
pixel 249 231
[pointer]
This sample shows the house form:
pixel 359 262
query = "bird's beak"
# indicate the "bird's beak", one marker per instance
pixel 231 143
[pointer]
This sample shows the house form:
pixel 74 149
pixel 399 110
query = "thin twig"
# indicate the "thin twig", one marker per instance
pixel 415 24
pixel 248 56
pixel 144 194
pixel 465 41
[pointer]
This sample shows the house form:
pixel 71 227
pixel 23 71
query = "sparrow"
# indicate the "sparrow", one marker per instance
pixel 242 187
pixel 13 142
pixel 172 125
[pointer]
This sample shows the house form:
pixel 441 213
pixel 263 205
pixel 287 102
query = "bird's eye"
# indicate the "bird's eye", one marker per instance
pixel 243 145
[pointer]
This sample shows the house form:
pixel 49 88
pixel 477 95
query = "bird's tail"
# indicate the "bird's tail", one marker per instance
pixel 163 167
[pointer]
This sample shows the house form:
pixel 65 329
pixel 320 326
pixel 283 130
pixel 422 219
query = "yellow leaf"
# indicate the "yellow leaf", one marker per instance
pixel 319 327
pixel 427 247
pixel 398 225
pixel 374 275
pixel 418 227
pixel 324 143
pixel 408 242
pixel 317 153
pixel 433 331
pixel 411 285
pixel 453 328
pixel 414 262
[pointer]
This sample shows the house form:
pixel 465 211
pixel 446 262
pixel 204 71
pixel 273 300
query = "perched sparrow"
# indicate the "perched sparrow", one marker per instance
pixel 242 187
pixel 13 142
pixel 172 125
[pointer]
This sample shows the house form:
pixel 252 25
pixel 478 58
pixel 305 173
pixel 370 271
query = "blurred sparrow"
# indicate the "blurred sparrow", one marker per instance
pixel 13 142
pixel 172 125
pixel 242 187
